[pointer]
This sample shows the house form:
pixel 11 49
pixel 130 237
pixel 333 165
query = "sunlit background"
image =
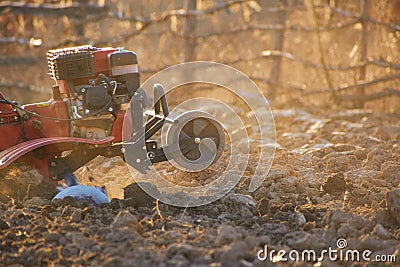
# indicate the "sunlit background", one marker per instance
pixel 301 53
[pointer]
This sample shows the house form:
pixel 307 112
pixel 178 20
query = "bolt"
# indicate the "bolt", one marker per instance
pixel 83 90
pixel 197 140
pixel 53 164
pixel 151 155
pixel 123 150
pixel 87 111
pixel 110 109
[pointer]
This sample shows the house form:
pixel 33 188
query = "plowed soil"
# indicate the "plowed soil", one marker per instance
pixel 334 176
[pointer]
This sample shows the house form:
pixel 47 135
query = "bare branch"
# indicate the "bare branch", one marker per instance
pixel 356 85
pixel 157 18
pixel 23 86
pixel 273 53
pixel 278 84
pixel 387 92
pixel 9 61
pixel 74 10
pixel 370 20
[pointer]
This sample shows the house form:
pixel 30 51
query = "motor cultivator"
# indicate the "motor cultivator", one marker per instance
pixel 97 90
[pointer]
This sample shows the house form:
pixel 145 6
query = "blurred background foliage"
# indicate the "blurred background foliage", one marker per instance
pixel 301 53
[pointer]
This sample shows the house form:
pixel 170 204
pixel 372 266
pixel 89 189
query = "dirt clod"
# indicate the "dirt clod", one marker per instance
pixel 335 184
pixel 393 204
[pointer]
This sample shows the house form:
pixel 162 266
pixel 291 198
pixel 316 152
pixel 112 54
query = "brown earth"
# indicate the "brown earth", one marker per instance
pixel 334 176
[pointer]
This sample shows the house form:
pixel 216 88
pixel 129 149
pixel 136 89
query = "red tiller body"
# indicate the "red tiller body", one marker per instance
pixel 73 120
pixel 97 95
pixel 98 108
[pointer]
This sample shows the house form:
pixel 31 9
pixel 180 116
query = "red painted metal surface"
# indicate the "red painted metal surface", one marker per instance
pixel 100 60
pixel 40 127
pixel 13 153
pixel 117 127
pixel 36 139
pixel 10 135
pixel 10 125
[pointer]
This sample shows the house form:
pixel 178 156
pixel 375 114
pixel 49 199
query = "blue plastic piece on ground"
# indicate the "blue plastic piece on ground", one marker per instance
pixel 84 192
pixel 70 179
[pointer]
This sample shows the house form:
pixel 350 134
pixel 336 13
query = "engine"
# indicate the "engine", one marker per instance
pixel 96 84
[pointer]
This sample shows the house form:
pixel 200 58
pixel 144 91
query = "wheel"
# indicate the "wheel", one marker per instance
pixel 195 140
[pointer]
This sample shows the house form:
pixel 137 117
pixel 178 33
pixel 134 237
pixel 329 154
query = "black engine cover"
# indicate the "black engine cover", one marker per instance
pixel 97 98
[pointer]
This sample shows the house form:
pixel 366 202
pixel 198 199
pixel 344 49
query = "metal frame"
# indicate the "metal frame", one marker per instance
pixel 60 167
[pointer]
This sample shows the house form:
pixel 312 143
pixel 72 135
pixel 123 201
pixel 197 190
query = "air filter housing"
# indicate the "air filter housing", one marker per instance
pixel 71 63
